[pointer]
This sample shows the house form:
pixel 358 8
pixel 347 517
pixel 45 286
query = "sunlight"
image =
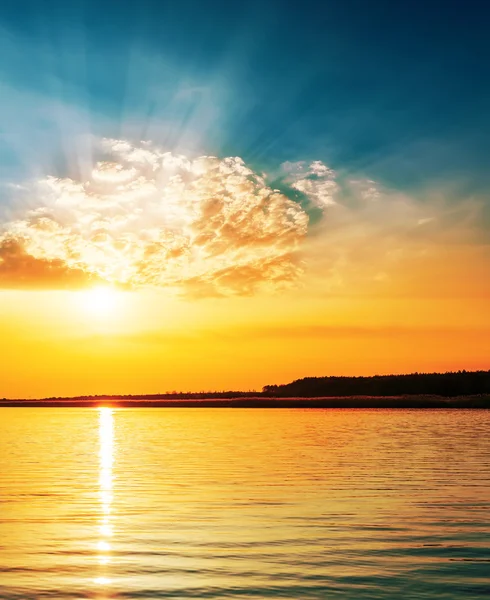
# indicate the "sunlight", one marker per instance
pixel 100 301
pixel 102 581
pixel 105 530
pixel 106 460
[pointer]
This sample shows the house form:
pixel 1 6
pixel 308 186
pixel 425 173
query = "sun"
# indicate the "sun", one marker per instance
pixel 100 301
pixel 103 309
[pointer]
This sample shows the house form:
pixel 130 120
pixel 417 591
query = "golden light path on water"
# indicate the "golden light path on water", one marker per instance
pixel 244 503
pixel 105 523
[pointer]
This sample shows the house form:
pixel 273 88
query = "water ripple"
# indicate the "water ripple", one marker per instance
pixel 216 503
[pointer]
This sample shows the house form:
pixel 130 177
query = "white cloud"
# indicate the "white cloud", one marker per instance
pixel 209 226
pixel 148 217
pixel 316 181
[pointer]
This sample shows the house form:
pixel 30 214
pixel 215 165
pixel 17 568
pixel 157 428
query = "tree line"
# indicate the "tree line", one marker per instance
pixel 460 383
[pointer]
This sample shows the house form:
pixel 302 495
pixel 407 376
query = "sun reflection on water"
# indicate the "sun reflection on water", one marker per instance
pixel 106 461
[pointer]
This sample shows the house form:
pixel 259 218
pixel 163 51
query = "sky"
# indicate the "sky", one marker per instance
pixel 214 195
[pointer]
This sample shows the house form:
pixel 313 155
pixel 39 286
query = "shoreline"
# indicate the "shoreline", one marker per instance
pixel 336 402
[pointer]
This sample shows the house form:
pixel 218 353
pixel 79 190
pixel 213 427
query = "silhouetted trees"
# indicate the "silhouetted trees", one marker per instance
pixel 460 383
pixel 415 387
pixel 162 396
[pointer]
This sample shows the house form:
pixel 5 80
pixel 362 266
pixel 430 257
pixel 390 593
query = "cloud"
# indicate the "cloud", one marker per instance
pixel 386 240
pixel 149 217
pixel 274 271
pixel 315 180
pixel 211 226
pixel 20 270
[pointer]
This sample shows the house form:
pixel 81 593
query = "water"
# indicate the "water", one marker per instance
pixel 230 503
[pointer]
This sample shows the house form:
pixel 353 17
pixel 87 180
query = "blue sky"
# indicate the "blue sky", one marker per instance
pixel 395 91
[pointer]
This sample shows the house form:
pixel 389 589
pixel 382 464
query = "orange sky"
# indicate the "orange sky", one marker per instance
pixel 146 281
pixel 62 343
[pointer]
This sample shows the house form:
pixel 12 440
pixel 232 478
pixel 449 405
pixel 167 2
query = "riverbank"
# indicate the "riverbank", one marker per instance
pixel 357 402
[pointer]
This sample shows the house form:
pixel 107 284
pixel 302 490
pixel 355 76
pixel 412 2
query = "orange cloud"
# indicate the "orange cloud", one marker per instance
pixel 19 270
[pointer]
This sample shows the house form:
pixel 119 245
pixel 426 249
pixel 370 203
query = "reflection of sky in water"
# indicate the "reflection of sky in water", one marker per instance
pixel 368 505
pixel 106 456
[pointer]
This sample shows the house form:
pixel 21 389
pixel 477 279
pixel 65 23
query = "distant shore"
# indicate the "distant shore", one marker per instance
pixel 357 402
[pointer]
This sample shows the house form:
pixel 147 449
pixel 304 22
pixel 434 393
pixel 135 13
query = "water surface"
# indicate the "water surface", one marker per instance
pixel 244 503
